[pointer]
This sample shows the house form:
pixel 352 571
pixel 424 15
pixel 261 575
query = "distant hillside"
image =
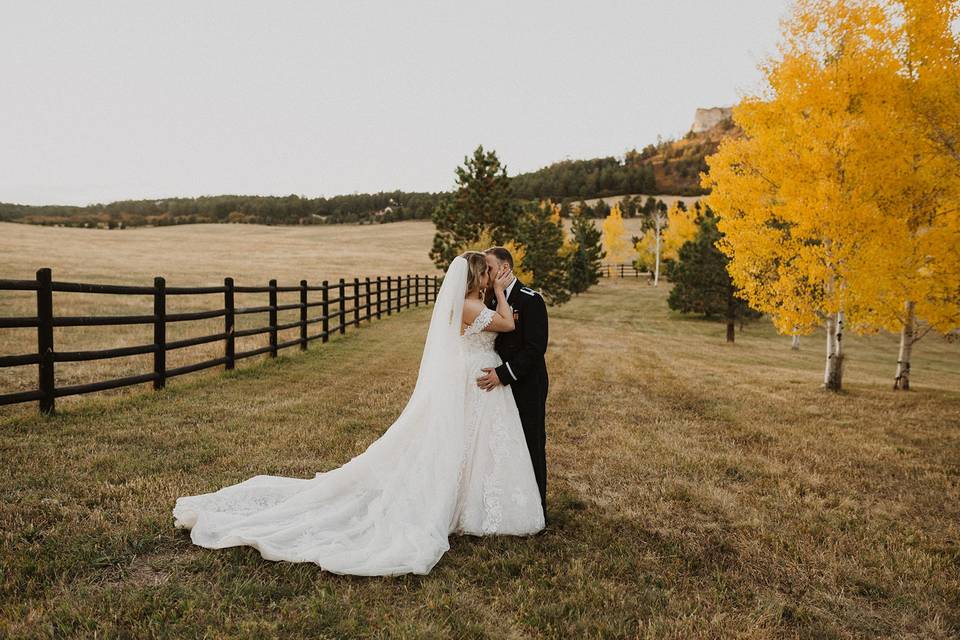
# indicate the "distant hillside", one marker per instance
pixel 667 168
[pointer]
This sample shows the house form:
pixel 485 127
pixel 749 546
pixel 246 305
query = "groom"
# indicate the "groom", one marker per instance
pixel 523 368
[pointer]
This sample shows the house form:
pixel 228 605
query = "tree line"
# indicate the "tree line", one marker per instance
pixel 289 210
pixel 676 162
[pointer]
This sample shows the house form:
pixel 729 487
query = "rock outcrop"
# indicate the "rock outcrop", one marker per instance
pixel 706 119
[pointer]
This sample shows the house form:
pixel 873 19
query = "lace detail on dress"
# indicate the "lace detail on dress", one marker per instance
pixel 492 490
pixel 483 319
pixel 498 491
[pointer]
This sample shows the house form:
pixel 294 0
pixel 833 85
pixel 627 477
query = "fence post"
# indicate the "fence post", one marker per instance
pixel 621 270
pixel 399 293
pixel 356 302
pixel 160 332
pixel 273 318
pixel 408 291
pixel 228 320
pixel 343 311
pixel 325 305
pixel 45 375
pixel 303 315
pixel 367 314
pixel 378 296
pixel 436 287
pixel 389 295
pixel 416 290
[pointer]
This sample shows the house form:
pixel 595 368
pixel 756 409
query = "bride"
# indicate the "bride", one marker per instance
pixel 454 461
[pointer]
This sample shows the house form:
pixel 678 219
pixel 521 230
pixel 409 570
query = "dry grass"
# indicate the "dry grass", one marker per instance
pixel 186 255
pixel 204 254
pixel 697 490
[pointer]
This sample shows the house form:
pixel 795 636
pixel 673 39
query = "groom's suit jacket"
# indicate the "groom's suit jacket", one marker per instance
pixel 524 369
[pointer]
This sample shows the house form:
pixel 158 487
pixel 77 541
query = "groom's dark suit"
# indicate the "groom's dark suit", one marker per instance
pixel 525 370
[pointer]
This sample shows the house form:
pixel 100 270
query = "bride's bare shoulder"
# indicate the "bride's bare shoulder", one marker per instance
pixel 471 309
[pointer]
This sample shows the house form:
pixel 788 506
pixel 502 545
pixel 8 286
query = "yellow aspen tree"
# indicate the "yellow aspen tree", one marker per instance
pixel 794 207
pixel 647 249
pixel 681 227
pixel 615 241
pixel 910 274
pixel 663 241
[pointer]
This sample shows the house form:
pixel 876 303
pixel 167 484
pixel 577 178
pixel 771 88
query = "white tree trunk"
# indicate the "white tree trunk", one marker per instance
pixel 795 343
pixel 833 372
pixel 656 273
pixel 902 379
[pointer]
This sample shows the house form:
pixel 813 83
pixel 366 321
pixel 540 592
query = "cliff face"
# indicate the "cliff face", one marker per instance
pixel 706 119
pixel 677 163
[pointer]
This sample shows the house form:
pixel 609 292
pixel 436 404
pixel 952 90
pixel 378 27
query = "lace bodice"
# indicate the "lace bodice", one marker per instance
pixel 475 339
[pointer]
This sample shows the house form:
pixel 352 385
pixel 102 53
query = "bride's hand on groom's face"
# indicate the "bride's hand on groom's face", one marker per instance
pixel 502 280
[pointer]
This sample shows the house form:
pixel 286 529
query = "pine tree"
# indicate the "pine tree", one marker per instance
pixel 601 209
pixel 701 283
pixel 584 209
pixel 540 231
pixel 585 260
pixel 482 201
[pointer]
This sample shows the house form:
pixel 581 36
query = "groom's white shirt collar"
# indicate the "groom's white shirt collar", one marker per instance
pixel 506 294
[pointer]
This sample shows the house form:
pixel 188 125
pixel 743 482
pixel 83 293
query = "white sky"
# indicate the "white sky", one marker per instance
pixel 101 101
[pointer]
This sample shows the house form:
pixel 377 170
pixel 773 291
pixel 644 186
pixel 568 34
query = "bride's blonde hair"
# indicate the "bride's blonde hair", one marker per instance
pixel 476 267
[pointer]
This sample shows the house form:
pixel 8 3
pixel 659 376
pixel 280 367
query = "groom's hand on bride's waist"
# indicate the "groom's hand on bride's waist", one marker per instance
pixel 488 381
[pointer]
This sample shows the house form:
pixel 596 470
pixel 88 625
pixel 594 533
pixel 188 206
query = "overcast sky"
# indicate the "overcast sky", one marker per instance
pixel 101 101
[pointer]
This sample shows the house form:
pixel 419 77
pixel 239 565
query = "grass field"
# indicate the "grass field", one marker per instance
pixel 696 490
pixel 186 255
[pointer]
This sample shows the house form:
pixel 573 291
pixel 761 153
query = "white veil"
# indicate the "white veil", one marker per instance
pixel 388 510
pixel 436 405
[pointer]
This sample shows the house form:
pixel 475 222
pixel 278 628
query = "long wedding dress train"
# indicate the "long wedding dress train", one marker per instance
pixel 454 461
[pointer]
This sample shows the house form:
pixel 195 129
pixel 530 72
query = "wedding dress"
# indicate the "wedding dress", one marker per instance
pixel 454 461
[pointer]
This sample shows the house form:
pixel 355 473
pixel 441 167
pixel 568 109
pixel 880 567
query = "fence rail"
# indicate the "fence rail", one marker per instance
pixel 622 270
pixel 369 299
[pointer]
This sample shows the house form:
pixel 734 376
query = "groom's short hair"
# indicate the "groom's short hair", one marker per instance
pixel 502 254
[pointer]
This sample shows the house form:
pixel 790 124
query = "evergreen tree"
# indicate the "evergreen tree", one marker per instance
pixel 701 283
pixel 541 234
pixel 482 201
pixel 585 260
pixel 628 206
pixel 601 209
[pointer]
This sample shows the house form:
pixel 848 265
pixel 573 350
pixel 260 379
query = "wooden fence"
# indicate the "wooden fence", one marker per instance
pixel 623 270
pixel 370 298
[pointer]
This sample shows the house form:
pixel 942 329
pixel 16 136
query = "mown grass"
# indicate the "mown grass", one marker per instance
pixel 185 255
pixel 696 489
pixel 188 255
